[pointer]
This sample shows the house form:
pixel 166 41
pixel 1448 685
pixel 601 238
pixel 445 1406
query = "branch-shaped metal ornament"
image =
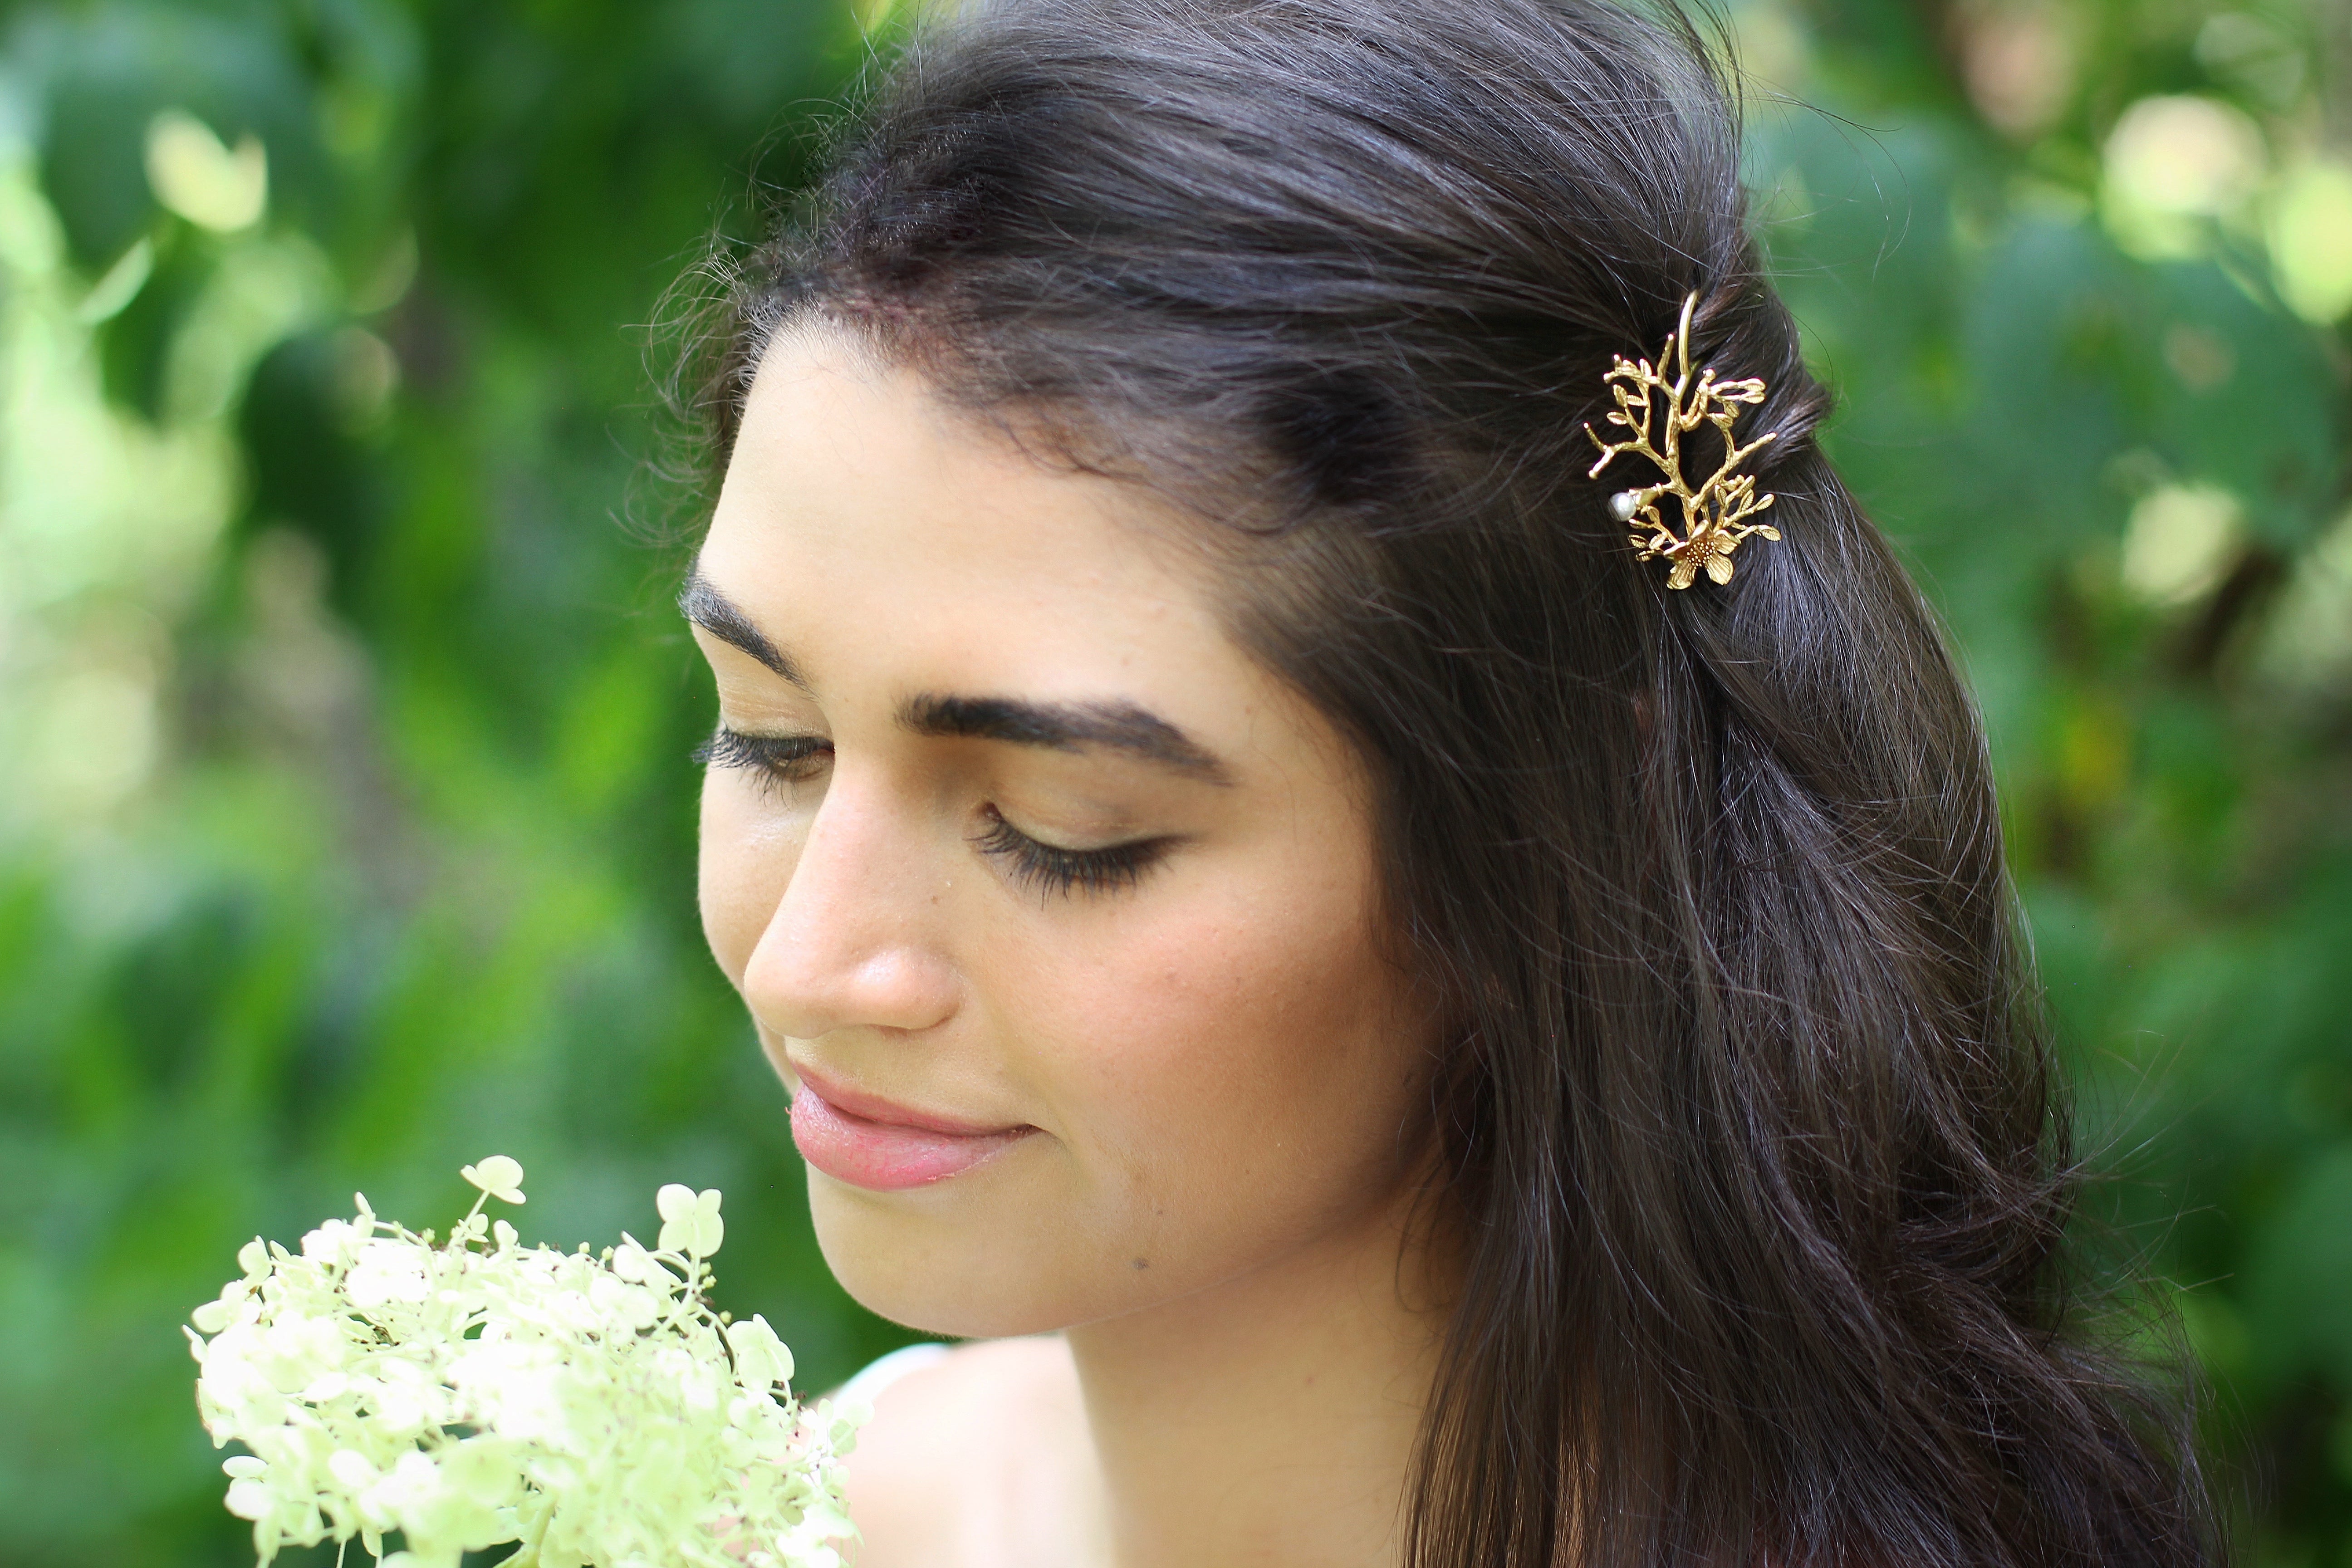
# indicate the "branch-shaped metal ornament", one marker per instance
pixel 1713 512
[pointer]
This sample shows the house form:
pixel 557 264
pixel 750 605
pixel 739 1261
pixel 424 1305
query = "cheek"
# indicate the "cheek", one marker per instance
pixel 746 853
pixel 1230 1072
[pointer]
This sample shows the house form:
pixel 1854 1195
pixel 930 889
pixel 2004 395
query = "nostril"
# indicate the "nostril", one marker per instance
pixel 806 982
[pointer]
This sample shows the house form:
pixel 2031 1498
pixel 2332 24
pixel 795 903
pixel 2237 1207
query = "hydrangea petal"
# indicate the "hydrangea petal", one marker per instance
pixel 499 1176
pixel 467 1397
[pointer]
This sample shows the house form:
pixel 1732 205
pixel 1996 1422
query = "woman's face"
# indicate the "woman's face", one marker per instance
pixel 1054 909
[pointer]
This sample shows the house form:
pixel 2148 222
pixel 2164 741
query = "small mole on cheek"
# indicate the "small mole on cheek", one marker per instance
pixel 1144 1262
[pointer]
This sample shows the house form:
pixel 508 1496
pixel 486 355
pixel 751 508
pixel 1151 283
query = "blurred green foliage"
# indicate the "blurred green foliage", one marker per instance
pixel 345 812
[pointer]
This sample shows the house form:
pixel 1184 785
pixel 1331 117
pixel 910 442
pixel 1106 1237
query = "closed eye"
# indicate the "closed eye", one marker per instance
pixel 781 760
pixel 776 759
pixel 1052 868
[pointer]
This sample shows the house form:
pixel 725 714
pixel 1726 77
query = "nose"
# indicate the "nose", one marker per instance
pixel 853 942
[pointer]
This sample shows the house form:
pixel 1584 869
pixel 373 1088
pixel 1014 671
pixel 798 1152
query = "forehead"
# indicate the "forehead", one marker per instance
pixel 856 496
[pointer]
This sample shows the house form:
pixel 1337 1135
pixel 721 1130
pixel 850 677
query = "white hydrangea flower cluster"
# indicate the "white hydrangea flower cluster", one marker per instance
pixel 592 1409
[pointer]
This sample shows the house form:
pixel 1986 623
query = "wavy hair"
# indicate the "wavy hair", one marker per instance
pixel 1750 1132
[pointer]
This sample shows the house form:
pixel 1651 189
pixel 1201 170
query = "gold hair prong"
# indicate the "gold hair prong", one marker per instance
pixel 1712 512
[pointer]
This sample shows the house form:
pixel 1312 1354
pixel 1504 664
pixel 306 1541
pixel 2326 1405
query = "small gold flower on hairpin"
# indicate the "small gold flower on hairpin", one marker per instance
pixel 1712 512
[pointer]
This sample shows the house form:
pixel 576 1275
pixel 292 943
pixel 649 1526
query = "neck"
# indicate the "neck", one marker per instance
pixel 1271 1419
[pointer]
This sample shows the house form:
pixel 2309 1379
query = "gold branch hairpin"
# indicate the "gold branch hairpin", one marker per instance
pixel 1713 512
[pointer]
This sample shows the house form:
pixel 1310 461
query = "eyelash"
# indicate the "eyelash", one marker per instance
pixel 1111 869
pixel 792 759
pixel 777 758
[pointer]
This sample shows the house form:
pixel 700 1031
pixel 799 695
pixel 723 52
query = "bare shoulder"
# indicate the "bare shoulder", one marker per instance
pixel 977 1461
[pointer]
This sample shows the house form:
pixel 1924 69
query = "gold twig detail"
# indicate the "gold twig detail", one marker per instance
pixel 1712 512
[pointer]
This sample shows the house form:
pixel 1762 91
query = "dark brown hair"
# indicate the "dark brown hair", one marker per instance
pixel 1749 1125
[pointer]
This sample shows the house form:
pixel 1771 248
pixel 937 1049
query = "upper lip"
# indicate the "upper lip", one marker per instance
pixel 889 1112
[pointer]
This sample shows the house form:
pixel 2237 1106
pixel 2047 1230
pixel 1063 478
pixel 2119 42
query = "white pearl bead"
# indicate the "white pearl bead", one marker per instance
pixel 1625 504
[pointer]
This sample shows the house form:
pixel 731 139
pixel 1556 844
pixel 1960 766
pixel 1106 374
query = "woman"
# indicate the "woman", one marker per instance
pixel 1423 1029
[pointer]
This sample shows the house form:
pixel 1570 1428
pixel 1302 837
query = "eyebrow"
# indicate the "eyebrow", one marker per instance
pixel 1058 726
pixel 715 613
pixel 1065 727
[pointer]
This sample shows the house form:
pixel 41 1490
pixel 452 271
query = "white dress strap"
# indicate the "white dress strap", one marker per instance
pixel 867 1385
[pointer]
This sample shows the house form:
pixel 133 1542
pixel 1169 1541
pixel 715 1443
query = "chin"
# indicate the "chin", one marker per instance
pixel 962 1262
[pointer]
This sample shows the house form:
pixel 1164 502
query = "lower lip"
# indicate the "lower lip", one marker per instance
pixel 883 1156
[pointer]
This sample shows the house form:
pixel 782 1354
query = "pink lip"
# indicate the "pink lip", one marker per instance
pixel 873 1143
